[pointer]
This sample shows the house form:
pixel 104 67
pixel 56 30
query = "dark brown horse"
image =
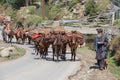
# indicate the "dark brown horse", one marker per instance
pixel 65 41
pixel 36 41
pixel 57 46
pixel 41 45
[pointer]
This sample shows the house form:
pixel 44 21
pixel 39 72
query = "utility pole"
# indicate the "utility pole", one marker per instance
pixel 43 8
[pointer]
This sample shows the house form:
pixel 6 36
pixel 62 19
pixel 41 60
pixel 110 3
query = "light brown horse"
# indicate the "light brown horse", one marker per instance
pixel 74 40
pixel 20 36
pixel 9 33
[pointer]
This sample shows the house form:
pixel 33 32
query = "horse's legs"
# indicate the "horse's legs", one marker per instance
pixel 18 40
pixel 37 49
pixel 10 40
pixel 74 54
pixel 29 41
pixel 23 40
pixel 63 52
pixel 53 53
pixel 46 52
pixel 58 54
pixel 71 54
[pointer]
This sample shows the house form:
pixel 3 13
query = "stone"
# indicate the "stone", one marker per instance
pixel 8 51
pixel 12 50
pixel 1 48
pixel 4 52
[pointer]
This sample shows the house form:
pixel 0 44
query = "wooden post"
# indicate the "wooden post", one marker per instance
pixel 113 17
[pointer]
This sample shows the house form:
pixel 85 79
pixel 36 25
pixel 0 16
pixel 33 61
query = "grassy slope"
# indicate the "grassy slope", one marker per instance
pixel 113 67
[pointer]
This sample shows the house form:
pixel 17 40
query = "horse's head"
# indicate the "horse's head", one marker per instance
pixel 73 38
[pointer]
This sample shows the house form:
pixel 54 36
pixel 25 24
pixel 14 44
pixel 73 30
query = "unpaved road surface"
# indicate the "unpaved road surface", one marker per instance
pixel 31 67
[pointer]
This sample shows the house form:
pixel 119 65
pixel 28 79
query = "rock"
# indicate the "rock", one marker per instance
pixel 4 52
pixel 12 50
pixel 8 51
pixel 1 48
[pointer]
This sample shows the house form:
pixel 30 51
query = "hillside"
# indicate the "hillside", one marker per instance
pixel 54 10
pixel 77 9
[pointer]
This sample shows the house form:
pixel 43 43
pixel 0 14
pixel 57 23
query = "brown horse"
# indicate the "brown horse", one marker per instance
pixel 57 46
pixel 20 36
pixel 74 41
pixel 65 41
pixel 10 35
pixel 41 45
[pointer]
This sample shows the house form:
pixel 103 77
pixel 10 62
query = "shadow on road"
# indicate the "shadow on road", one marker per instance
pixel 94 67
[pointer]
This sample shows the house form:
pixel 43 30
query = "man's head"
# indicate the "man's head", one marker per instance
pixel 99 30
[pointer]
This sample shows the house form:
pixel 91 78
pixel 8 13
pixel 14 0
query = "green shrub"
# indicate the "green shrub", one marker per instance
pixel 8 10
pixel 117 23
pixel 73 2
pixel 16 3
pixel 53 11
pixel 116 47
pixel 33 19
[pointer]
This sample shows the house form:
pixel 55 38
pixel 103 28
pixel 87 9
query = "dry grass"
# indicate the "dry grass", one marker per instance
pixel 102 5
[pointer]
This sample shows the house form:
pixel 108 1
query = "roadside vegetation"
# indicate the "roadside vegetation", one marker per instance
pixel 117 23
pixel 114 57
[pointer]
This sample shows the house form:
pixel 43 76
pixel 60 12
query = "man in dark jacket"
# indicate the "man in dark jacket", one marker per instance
pixel 100 46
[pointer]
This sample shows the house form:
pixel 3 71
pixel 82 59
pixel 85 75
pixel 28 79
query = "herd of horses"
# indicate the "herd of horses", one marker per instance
pixel 42 38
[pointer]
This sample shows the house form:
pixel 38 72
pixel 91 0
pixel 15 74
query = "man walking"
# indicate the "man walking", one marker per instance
pixel 100 45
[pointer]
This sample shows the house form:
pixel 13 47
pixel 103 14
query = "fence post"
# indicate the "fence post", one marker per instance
pixel 113 17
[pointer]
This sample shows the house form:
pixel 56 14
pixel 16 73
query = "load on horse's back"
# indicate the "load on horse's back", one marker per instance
pixel 20 35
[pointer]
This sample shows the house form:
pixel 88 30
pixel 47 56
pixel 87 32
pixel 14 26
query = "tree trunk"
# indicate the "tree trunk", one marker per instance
pixel 27 2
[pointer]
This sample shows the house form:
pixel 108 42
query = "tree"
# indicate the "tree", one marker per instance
pixel 16 3
pixel 29 2
pixel 2 1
